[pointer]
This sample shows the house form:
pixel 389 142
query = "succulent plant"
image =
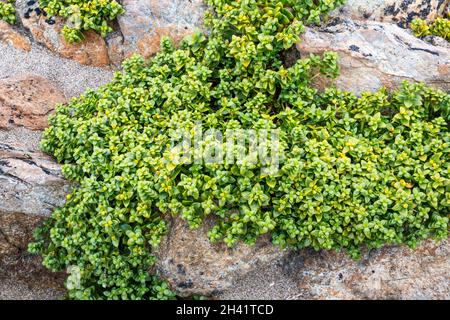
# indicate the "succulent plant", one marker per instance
pixel 83 15
pixel 353 171
pixel 7 11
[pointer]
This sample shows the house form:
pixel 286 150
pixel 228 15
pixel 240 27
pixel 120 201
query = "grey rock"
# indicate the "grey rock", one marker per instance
pixel 31 186
pixel 30 182
pixel 437 41
pixel 375 54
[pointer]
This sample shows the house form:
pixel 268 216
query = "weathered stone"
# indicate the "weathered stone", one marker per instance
pixel 114 42
pixel 401 12
pixel 374 54
pixel 31 186
pixel 145 22
pixel 437 41
pixel 392 272
pixel 192 265
pixel 9 35
pixel 30 182
pixel 17 266
pixel 91 51
pixel 27 101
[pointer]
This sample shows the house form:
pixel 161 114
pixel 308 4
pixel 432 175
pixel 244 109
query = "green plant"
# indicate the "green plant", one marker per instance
pixel 353 172
pixel 439 27
pixel 82 15
pixel 7 11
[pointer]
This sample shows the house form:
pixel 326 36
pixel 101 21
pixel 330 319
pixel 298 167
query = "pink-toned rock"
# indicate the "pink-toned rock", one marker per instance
pixel 91 51
pixel 9 35
pixel 27 101
pixel 146 21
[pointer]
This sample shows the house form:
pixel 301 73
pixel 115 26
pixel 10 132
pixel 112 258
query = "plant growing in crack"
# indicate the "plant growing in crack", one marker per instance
pixel 83 15
pixel 439 27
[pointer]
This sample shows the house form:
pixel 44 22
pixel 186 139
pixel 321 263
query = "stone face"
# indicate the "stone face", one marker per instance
pixel 192 265
pixel 92 51
pixel 30 182
pixel 114 42
pixel 374 54
pixel 20 272
pixel 9 35
pixel 31 186
pixel 392 272
pixel 396 11
pixel 27 101
pixel 146 21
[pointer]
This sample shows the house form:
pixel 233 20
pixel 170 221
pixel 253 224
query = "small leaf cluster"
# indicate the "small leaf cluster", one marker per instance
pixel 83 15
pixel 353 171
pixel 7 11
pixel 439 27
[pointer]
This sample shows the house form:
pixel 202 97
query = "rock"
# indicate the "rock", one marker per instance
pixel 146 21
pixel 91 51
pixel 437 41
pixel 31 186
pixel 392 272
pixel 30 182
pixel 374 54
pixel 114 42
pixel 192 265
pixel 27 101
pixel 20 269
pixel 9 35
pixel 401 12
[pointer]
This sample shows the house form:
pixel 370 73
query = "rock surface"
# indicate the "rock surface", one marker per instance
pixel 374 54
pixel 27 101
pixel 9 35
pixel 397 11
pixel 146 21
pixel 31 186
pixel 392 272
pixel 92 51
pixel 30 182
pixel 192 265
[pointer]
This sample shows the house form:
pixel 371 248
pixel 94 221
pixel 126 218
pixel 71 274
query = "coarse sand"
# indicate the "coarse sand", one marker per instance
pixel 11 289
pixel 69 76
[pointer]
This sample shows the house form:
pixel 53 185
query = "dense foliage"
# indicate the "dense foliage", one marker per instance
pixel 439 27
pixel 7 11
pixel 353 171
pixel 82 15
